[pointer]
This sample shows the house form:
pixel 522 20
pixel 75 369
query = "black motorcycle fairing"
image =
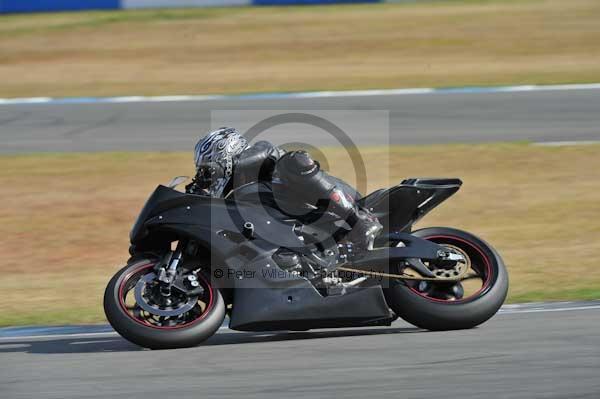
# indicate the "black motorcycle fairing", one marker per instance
pixel 161 198
pixel 275 300
pixel 399 207
pixel 203 218
pixel 302 308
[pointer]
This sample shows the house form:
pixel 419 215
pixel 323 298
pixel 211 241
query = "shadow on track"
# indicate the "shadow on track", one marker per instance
pixel 118 344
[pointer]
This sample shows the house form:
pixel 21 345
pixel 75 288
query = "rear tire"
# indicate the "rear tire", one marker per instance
pixel 436 314
pixel 154 337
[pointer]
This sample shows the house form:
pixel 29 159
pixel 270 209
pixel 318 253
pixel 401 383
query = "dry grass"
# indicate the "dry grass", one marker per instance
pixel 300 48
pixel 65 218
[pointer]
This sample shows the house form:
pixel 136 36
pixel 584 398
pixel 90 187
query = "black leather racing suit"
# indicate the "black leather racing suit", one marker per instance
pixel 302 176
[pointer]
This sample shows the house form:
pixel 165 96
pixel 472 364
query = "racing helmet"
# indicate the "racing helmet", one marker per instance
pixel 214 156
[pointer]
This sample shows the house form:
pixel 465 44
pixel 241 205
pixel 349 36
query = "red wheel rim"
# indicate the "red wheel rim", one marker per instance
pixel 487 266
pixel 138 271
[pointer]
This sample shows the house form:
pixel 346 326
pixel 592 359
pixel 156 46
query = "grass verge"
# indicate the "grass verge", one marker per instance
pixel 65 217
pixel 248 49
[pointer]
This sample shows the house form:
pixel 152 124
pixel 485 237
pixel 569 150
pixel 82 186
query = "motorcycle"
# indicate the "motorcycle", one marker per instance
pixel 196 259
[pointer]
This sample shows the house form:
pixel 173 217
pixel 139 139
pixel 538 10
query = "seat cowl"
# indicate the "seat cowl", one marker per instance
pixel 432 181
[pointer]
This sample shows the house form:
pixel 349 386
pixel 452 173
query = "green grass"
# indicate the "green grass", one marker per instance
pixel 559 294
pixel 66 217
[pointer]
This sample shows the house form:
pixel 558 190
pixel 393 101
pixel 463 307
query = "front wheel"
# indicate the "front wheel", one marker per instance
pixel 453 306
pixel 136 308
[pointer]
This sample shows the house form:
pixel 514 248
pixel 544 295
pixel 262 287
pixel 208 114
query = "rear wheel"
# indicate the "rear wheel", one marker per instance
pixel 445 305
pixel 136 308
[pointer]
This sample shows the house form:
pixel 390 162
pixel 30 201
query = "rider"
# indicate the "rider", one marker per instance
pixel 225 160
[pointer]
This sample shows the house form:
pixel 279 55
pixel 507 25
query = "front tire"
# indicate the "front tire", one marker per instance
pixel 200 325
pixel 436 312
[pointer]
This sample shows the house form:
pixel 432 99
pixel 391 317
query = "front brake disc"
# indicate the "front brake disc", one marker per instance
pixel 167 311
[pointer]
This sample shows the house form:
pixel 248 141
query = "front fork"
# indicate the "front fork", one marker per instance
pixel 167 270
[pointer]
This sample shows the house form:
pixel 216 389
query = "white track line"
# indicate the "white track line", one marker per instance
pixel 566 143
pixel 107 334
pixel 507 309
pixel 60 336
pixel 544 310
pixel 313 94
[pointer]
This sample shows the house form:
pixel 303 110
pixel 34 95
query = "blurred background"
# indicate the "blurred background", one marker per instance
pixel 84 138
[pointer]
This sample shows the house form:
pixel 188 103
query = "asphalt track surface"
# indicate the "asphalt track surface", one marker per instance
pixel 542 351
pixel 539 116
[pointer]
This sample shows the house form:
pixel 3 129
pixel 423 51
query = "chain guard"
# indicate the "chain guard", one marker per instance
pixel 456 273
